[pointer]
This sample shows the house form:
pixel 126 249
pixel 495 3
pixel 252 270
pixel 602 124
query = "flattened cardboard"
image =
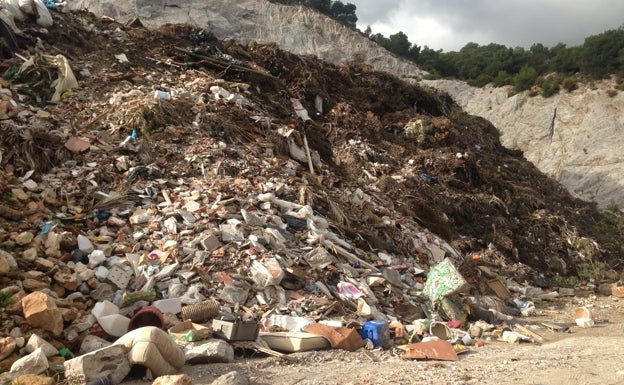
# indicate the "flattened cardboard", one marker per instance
pixel 431 350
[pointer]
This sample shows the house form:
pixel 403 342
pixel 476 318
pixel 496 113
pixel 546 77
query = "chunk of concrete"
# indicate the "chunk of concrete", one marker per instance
pixel 35 342
pixel 92 343
pixel 34 363
pixel 110 362
pixel 209 351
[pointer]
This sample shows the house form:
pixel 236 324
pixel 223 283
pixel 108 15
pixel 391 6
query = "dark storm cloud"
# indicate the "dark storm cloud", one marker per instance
pixel 451 24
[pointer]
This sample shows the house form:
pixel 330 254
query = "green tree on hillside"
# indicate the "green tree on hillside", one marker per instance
pixel 337 10
pixel 602 54
pixel 525 79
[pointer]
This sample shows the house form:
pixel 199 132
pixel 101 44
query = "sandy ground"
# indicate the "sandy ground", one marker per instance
pixel 579 356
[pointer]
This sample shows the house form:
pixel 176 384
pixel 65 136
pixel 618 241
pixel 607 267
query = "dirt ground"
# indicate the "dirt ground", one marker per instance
pixel 578 356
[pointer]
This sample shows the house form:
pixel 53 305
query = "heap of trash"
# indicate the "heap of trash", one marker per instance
pixel 168 198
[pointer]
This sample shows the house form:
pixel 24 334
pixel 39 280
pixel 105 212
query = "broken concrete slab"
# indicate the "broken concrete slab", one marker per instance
pixel 110 362
pixel 209 351
pixel 33 363
pixel 35 342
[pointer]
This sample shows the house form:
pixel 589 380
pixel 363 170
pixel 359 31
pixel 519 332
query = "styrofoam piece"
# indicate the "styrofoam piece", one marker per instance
pixel 169 305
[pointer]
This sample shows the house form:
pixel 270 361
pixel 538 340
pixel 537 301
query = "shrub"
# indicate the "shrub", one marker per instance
pixel 525 78
pixel 549 88
pixel 502 79
pixel 569 84
pixel 480 81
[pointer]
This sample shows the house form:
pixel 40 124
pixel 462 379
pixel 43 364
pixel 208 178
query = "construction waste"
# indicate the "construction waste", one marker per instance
pixel 169 199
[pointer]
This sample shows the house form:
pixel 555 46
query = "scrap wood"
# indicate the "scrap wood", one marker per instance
pixel 259 348
pixel 530 333
pixel 556 327
pixel 352 258
pixel 224 63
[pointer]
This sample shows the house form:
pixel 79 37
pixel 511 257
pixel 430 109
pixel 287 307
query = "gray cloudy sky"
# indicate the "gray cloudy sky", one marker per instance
pixel 451 24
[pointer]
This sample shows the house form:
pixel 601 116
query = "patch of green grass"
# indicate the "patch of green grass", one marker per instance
pixel 5 299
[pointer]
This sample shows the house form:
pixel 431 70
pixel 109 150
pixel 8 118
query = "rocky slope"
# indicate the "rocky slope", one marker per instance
pixel 296 29
pixel 573 138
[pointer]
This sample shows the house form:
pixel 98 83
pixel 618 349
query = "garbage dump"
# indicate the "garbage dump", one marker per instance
pixel 170 200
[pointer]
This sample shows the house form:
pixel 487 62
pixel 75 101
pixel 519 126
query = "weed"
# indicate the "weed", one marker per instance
pixel 6 299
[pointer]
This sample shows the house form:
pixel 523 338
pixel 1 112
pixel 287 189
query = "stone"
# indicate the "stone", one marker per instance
pixel 234 294
pixel 174 379
pixel 32 284
pixel 35 342
pixel 19 194
pixel 33 379
pixel 44 263
pixel 104 292
pixel 4 265
pixel 24 238
pixel 8 259
pixel 30 254
pixel 84 244
pixel 30 185
pixel 34 363
pixel 231 378
pixel 111 362
pixel 209 351
pixel 210 243
pixel 7 346
pixel 69 314
pixel 41 311
pixel 77 145
pixel 66 279
pixel 92 343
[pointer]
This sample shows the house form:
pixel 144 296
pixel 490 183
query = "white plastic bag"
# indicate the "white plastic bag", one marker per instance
pixel 13 7
pixel 44 18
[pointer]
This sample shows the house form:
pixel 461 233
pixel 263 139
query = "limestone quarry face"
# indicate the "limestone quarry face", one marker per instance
pixel 296 29
pixel 573 137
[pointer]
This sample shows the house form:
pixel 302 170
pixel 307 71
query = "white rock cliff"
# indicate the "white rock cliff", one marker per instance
pixel 574 137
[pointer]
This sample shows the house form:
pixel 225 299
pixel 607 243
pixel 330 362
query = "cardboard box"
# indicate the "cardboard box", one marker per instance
pixel 189 331
pixel 235 330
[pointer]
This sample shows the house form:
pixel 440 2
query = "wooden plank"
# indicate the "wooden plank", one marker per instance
pixel 262 349
pixel 529 333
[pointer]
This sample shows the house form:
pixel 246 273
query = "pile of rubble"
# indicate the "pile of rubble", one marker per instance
pixel 150 177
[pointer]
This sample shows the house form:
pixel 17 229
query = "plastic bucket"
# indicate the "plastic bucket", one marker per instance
pixel 148 316
pixel 377 331
pixel 584 312
pixel 441 331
